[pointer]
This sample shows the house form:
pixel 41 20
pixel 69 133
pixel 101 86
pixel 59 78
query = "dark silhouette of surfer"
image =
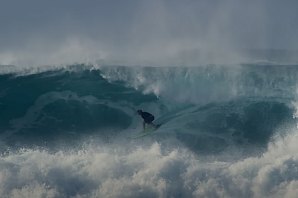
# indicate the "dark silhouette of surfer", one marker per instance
pixel 147 117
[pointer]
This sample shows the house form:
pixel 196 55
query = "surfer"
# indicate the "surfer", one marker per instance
pixel 147 117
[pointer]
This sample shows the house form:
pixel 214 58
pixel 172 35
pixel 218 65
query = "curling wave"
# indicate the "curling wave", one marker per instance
pixel 227 131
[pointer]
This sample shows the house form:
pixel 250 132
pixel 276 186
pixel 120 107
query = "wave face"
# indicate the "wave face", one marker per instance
pixel 227 131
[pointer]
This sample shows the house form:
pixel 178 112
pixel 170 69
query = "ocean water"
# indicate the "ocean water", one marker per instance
pixel 227 131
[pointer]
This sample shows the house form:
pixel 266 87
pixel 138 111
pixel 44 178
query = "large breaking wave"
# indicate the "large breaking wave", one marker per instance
pixel 228 131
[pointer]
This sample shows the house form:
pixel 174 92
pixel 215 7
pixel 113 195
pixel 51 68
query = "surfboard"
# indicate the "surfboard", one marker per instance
pixel 147 131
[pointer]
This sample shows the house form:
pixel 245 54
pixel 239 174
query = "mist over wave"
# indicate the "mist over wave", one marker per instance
pixel 155 32
pixel 228 131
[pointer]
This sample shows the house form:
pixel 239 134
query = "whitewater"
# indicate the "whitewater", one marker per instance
pixel 228 131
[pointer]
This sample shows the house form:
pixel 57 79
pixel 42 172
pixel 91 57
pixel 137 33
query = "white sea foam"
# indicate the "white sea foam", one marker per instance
pixel 149 170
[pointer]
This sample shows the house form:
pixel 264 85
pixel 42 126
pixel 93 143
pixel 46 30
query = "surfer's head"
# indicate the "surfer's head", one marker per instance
pixel 139 111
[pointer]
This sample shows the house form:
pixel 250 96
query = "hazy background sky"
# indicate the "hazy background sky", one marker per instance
pixel 141 31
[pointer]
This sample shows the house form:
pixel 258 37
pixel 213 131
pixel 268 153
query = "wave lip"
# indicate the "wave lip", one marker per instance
pixel 78 101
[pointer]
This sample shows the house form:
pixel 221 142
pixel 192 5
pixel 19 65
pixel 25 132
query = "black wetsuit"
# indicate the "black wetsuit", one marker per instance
pixel 148 117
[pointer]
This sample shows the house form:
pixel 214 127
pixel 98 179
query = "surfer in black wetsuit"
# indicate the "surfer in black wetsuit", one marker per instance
pixel 147 117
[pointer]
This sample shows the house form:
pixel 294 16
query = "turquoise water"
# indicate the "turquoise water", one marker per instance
pixel 221 126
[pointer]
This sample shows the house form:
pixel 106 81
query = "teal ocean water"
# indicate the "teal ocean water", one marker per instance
pixel 227 131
